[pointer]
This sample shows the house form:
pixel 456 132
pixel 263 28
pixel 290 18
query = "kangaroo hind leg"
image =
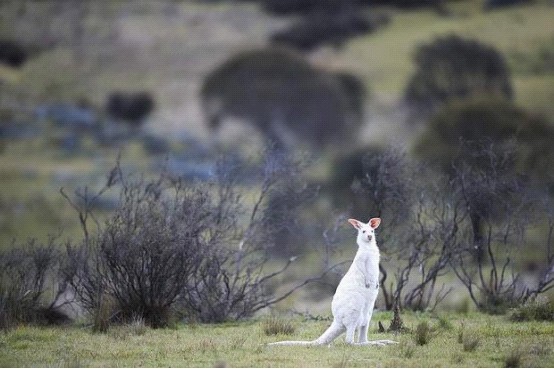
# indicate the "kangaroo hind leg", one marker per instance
pixel 331 333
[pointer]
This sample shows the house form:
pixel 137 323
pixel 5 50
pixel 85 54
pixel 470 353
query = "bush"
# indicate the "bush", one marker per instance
pixel 489 4
pixel 540 309
pixel 285 97
pixel 12 54
pixel 283 7
pixel 455 67
pixel 405 196
pixel 131 107
pixel 174 247
pixel 404 3
pixel 321 28
pixel 361 179
pixel 26 271
pixel 146 255
pixel 462 128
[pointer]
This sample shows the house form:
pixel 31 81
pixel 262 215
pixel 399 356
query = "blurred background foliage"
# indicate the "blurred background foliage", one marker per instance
pixel 169 86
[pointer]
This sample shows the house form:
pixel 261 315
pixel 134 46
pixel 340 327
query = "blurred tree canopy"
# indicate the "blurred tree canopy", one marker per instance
pixel 455 67
pixel 460 130
pixel 284 7
pixel 499 3
pixel 129 106
pixel 12 54
pixel 405 3
pixel 315 29
pixel 348 173
pixel 285 97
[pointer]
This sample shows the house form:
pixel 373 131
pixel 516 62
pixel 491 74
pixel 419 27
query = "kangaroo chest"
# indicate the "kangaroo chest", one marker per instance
pixel 363 274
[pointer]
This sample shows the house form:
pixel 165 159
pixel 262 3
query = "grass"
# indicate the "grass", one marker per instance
pixel 32 171
pixel 274 325
pixel 384 59
pixel 540 309
pixel 244 345
pixel 30 204
pixel 28 168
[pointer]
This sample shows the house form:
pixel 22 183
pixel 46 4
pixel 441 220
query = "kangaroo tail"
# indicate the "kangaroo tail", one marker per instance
pixel 293 343
pixel 335 330
pixel 327 337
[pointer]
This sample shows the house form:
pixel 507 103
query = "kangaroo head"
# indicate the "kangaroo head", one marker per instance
pixel 366 231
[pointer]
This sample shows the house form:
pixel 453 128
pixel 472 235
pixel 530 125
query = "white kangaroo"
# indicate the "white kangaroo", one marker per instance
pixel 356 293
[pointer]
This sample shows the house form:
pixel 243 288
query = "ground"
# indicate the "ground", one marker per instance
pixel 451 344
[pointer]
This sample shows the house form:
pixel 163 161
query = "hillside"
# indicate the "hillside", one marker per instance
pixel 79 55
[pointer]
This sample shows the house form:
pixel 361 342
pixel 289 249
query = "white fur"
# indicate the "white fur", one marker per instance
pixel 356 293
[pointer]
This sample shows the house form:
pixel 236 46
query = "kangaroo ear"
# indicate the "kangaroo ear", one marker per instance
pixel 374 222
pixel 355 223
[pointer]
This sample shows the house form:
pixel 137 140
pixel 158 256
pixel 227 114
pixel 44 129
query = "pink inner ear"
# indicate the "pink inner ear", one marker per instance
pixel 374 222
pixel 355 223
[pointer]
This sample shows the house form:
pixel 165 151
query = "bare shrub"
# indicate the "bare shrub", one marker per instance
pixel 102 314
pixel 29 287
pixel 176 246
pixel 474 220
pixel 500 208
pixel 419 228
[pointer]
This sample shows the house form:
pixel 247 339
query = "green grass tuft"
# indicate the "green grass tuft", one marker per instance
pixel 422 333
pixel 539 309
pixel 470 342
pixel 513 358
pixel 273 325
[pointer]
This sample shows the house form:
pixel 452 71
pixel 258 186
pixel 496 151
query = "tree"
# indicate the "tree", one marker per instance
pixel 130 107
pixel 347 175
pixel 460 130
pixel 501 209
pixel 12 54
pixel 284 7
pixel 419 222
pixel 470 133
pixel 285 97
pixel 452 67
pixel 328 27
pixel 491 4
